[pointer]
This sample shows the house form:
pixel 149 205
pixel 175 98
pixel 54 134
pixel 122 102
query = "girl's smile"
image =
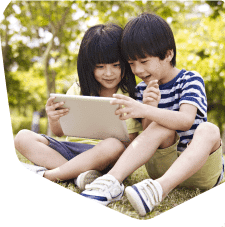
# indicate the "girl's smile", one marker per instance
pixel 108 75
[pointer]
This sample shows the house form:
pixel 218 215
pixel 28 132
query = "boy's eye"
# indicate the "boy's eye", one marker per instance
pixel 143 61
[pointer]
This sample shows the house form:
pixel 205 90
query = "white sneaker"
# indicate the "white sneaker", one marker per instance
pixel 36 169
pixel 104 190
pixel 86 178
pixel 144 196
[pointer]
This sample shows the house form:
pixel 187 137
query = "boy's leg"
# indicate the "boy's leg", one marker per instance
pixel 97 158
pixel 149 193
pixel 142 149
pixel 109 187
pixel 205 141
pixel 35 148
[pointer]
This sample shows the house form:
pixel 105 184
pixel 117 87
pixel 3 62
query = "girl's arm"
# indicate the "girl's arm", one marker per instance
pixel 54 112
pixel 174 120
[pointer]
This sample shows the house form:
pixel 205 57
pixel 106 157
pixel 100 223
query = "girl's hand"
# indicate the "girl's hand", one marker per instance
pixel 55 110
pixel 151 95
pixel 131 109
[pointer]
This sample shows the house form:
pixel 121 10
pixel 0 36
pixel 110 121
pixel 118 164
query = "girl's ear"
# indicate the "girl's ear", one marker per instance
pixel 169 55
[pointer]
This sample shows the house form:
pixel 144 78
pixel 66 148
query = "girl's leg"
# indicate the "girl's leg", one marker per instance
pixel 205 141
pixel 98 158
pixel 142 149
pixel 35 148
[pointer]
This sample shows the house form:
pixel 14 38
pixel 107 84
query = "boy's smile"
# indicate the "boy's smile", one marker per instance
pixel 153 68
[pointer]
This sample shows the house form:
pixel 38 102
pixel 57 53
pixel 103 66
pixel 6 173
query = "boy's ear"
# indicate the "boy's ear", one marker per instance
pixel 169 55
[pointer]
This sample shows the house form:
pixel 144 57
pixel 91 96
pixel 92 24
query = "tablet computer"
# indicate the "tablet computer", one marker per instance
pixel 91 117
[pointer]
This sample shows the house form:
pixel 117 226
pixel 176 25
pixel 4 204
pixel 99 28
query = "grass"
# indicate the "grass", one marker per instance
pixel 175 197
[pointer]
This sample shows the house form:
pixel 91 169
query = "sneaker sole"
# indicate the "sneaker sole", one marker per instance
pixel 103 200
pixel 135 201
pixel 87 178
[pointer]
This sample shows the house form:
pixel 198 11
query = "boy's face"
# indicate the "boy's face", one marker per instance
pixel 150 68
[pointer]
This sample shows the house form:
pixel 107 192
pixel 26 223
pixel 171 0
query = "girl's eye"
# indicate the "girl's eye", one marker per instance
pixel 144 61
pixel 117 65
pixel 99 66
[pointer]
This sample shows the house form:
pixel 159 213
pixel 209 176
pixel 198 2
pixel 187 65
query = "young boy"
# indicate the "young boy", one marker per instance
pixel 177 146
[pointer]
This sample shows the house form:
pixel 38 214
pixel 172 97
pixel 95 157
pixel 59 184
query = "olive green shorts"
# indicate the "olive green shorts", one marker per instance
pixel 207 177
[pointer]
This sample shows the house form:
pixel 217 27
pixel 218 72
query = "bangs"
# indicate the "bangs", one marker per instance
pixel 133 49
pixel 104 50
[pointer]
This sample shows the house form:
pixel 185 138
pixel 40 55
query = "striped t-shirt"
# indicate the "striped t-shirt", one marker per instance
pixel 187 87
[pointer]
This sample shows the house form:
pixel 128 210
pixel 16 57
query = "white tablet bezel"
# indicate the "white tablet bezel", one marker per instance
pixel 91 117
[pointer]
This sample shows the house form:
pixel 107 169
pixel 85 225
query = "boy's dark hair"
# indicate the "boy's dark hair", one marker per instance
pixel 148 34
pixel 101 44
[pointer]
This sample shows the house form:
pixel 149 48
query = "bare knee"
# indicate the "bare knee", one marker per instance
pixel 167 136
pixel 210 133
pixel 111 148
pixel 21 138
pixel 26 137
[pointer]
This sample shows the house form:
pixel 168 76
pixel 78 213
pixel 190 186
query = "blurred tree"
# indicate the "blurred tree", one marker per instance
pixel 48 17
pixel 40 46
pixel 37 48
pixel 204 52
pixel 217 8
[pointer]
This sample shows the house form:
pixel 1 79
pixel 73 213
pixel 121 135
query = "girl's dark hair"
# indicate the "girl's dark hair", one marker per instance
pixel 148 34
pixel 101 45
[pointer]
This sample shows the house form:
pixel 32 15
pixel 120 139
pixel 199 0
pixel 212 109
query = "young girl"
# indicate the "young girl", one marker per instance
pixel 102 72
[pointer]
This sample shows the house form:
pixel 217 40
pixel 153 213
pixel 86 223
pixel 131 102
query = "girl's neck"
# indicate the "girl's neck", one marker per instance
pixel 104 92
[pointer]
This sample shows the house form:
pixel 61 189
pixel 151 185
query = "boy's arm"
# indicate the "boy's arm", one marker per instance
pixel 54 112
pixel 151 96
pixel 174 120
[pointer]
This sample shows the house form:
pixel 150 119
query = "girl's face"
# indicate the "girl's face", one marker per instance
pixel 108 75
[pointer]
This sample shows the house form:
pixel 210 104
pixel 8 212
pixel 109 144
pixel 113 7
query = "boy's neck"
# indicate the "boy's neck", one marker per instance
pixel 169 75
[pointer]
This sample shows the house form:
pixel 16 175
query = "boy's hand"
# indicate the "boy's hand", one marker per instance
pixel 55 110
pixel 151 95
pixel 131 109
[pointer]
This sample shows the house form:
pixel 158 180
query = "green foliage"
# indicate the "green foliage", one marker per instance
pixel 21 122
pixel 206 58
pixel 217 6
pixel 35 66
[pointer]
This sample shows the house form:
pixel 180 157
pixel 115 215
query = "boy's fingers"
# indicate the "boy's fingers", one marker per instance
pixel 123 117
pixel 151 89
pixel 118 101
pixel 152 83
pixel 151 95
pixel 120 96
pixel 121 111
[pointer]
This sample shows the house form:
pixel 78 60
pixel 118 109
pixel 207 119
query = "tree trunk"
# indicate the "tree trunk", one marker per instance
pixel 50 76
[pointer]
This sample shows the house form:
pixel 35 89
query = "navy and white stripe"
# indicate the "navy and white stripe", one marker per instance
pixel 187 87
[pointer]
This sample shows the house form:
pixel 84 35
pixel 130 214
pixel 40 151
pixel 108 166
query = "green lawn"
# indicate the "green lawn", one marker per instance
pixel 176 197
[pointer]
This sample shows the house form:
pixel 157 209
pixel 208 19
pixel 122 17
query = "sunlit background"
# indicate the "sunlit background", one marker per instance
pixel 40 42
